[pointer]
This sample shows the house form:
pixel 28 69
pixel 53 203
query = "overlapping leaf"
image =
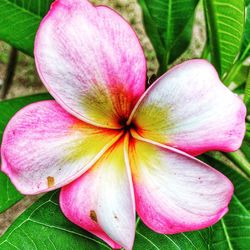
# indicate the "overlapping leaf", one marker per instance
pixel 146 239
pixel 19 21
pixel 225 21
pixel 168 24
pixel 247 93
pixel 233 230
pixel 8 194
pixel 245 50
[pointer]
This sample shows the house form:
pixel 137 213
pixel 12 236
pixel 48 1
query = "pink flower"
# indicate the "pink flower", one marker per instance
pixel 114 147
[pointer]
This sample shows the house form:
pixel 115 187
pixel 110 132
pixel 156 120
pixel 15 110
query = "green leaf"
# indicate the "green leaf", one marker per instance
pixel 147 239
pixel 240 160
pixel 8 194
pixel 245 148
pixel 247 93
pixel 19 21
pixel 43 226
pixel 168 24
pixel 233 230
pixel 56 232
pixel 182 42
pixel 241 75
pixel 225 22
pixel 245 50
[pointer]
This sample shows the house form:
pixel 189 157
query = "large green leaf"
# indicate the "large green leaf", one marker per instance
pixel 8 194
pixel 247 138
pixel 225 22
pixel 19 21
pixel 43 226
pixel 245 50
pixel 146 239
pixel 247 92
pixel 56 232
pixel 168 24
pixel 245 148
pixel 233 230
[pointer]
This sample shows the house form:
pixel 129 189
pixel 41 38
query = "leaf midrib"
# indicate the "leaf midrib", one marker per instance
pixel 226 234
pixel 168 29
pixel 169 19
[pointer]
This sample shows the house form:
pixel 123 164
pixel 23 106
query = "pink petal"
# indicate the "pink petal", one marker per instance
pixel 190 109
pixel 45 148
pixel 175 192
pixel 101 201
pixel 91 61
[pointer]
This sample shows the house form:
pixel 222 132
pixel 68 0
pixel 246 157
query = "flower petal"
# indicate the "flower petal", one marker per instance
pixel 175 192
pixel 190 109
pixel 102 202
pixel 45 148
pixel 91 61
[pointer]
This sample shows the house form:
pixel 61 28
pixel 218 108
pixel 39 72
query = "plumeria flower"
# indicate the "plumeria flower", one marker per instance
pixel 114 147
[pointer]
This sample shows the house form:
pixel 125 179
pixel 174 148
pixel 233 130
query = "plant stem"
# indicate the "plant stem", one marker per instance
pixel 240 160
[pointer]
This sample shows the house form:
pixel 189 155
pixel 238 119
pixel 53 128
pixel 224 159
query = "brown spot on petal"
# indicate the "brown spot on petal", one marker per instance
pixel 51 181
pixel 92 215
pixel 116 217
